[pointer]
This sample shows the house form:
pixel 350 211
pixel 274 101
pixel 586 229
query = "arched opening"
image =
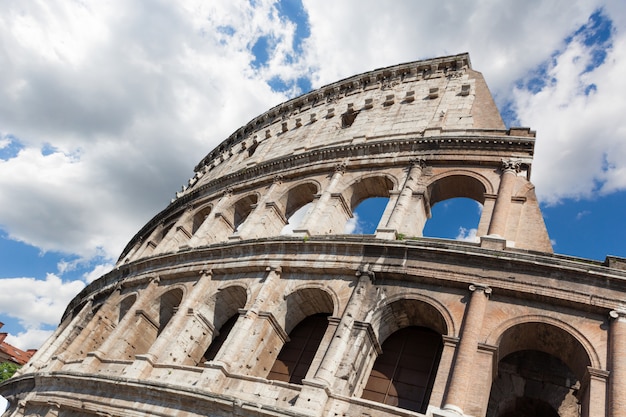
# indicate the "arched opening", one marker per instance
pixel 125 306
pixel 404 374
pixel 219 340
pixel 368 200
pixel 225 305
pixel 297 202
pixel 199 218
pixel 168 306
pixel 455 218
pixel 366 216
pixel 296 356
pixel 242 209
pixel 456 203
pixel 540 374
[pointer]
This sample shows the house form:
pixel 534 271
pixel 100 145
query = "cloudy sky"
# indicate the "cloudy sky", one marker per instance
pixel 106 106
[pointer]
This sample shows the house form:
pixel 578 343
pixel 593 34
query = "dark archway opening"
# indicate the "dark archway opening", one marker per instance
pixel 404 374
pixel 296 356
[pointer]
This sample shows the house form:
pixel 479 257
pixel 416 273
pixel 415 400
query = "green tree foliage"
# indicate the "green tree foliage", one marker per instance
pixel 7 370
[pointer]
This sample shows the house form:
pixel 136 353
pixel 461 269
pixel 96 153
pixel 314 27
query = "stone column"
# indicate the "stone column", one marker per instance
pixel 333 360
pixel 266 218
pixel 462 372
pixel 215 228
pixel 179 234
pixel 93 359
pixel 499 218
pixel 245 335
pixel 183 332
pixel 311 223
pixel 409 213
pixel 79 345
pixel 617 363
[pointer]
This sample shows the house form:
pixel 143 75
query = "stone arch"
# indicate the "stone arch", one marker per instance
pixel 297 196
pixel 450 325
pixel 458 183
pixel 377 185
pixel 168 305
pixel 497 335
pixel 242 208
pixel 541 360
pixel 410 332
pixel 326 288
pixel 225 304
pixel 200 215
pixel 125 305
pixel 411 310
pixel 304 317
pixel 303 302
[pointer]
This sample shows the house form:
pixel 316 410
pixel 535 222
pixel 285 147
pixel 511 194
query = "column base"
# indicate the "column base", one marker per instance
pixel 493 242
pixel 447 411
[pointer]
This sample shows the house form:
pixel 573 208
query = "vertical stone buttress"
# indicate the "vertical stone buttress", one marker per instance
pixel 409 214
pixel 93 359
pixel 266 218
pixel 250 332
pixel 617 364
pixel 181 335
pixel 500 215
pixel 313 224
pixel 215 228
pixel 463 367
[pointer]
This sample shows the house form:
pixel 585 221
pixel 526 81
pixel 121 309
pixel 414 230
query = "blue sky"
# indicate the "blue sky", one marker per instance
pixel 105 108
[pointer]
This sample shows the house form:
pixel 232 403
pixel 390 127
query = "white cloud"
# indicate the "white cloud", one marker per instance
pixel 353 225
pixel 578 115
pixel 97 272
pixel 35 303
pixel 467 235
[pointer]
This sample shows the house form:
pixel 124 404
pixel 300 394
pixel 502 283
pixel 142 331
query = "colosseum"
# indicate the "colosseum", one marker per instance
pixel 214 310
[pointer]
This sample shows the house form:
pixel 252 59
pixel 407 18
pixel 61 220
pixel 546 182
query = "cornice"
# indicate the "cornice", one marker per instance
pixel 379 78
pixel 458 142
pixel 555 277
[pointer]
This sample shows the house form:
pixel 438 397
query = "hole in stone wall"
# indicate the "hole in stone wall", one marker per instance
pixel 296 356
pixel 454 218
pixel 366 216
pixel 219 340
pixel 296 219
pixel 403 375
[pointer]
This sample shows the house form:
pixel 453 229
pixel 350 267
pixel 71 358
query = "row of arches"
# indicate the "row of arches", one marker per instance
pixel 541 364
pixel 379 201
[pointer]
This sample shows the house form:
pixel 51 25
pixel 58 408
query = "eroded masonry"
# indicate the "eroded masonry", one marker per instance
pixel 214 310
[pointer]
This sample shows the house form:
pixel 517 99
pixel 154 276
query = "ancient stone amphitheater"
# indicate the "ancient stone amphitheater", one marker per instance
pixel 213 311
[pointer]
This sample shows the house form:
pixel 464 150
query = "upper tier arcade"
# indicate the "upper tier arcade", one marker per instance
pixel 417 133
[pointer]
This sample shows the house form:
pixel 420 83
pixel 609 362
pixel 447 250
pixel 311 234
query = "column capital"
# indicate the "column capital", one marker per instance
pixel 511 165
pixel 341 168
pixel 206 272
pixel 618 313
pixel 481 288
pixel 417 162
pixel 274 268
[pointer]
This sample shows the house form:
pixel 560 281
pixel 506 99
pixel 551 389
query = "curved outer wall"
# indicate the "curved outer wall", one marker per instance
pixel 209 300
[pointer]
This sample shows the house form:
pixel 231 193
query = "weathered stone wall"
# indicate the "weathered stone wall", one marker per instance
pixel 520 330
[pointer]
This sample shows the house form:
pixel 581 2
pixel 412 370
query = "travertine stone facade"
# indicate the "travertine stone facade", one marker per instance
pixel 212 311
